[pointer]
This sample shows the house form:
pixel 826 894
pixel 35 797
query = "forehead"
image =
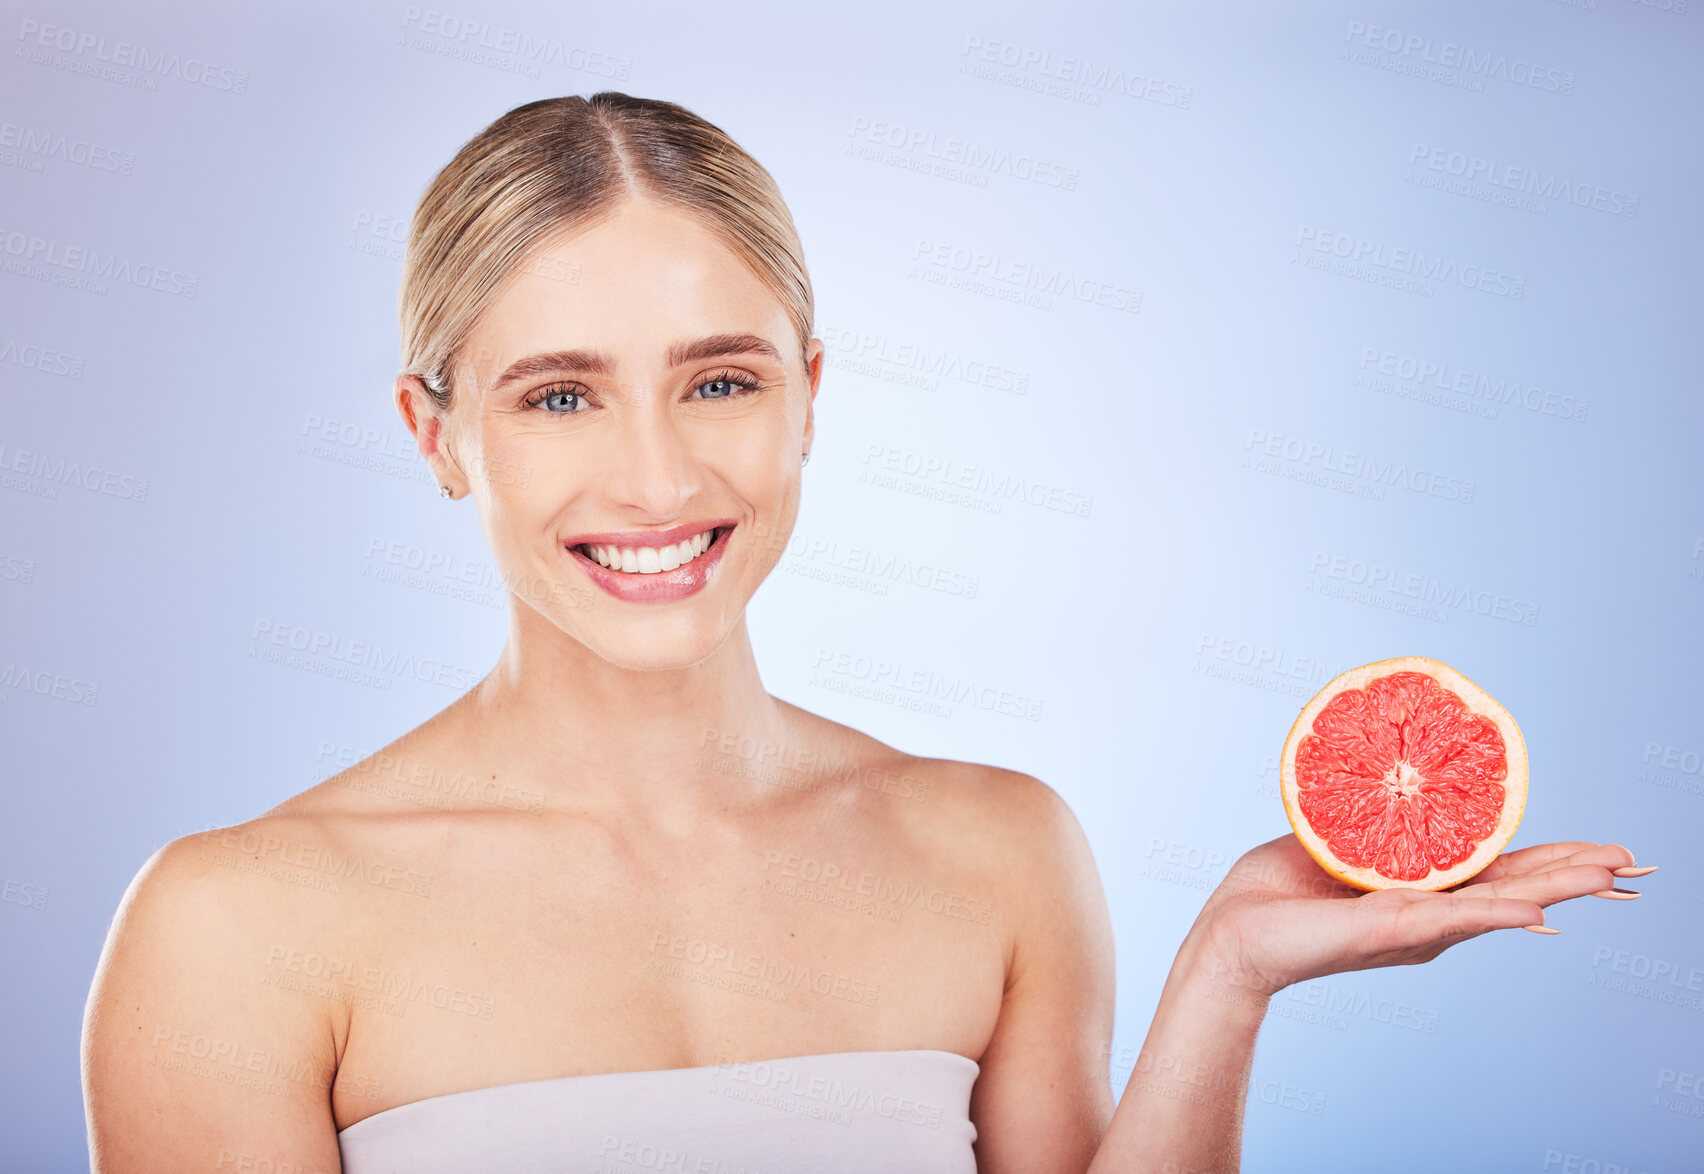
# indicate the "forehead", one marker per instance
pixel 638 280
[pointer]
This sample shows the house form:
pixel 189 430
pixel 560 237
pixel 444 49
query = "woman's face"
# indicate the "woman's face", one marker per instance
pixel 634 388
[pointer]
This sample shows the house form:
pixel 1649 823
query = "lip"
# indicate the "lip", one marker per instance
pixel 664 586
pixel 651 537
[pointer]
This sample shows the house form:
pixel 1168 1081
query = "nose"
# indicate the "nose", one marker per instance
pixel 652 471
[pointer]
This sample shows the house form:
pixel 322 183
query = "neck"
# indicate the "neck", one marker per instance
pixel 639 741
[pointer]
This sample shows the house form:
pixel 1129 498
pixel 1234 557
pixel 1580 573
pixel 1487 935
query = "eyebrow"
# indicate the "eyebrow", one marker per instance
pixel 595 363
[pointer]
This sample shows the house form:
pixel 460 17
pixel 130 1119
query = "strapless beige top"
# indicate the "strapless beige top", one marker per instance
pixel 904 1112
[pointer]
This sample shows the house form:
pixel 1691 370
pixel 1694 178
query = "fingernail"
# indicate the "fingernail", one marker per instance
pixel 1616 894
pixel 1540 929
pixel 1630 871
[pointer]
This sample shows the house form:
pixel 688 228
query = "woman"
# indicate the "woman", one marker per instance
pixel 617 908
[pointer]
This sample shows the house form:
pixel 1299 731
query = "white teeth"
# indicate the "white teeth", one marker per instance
pixel 649 560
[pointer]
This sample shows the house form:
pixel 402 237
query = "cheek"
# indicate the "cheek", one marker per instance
pixel 760 465
pixel 529 476
pixel 523 497
pixel 767 447
pixel 523 457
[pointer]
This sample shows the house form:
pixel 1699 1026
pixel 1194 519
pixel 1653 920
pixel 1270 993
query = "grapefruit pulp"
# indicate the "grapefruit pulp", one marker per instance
pixel 1404 773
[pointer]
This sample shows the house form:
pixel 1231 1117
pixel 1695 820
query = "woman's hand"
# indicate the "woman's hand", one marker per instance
pixel 1278 918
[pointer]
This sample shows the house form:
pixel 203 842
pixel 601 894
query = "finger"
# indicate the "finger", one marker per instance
pixel 1547 887
pixel 1531 859
pixel 1614 857
pixel 1548 857
pixel 1448 917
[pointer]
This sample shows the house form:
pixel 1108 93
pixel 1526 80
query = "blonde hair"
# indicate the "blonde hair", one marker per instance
pixel 560 164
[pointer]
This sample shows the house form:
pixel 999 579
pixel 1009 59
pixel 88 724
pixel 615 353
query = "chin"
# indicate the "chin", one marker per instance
pixel 653 650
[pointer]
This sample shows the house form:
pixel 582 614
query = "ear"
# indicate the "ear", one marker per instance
pixel 815 354
pixel 427 424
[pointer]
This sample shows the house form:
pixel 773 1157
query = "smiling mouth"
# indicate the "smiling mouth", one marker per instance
pixel 652 560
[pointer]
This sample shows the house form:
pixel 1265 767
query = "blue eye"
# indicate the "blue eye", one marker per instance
pixel 557 399
pixel 727 385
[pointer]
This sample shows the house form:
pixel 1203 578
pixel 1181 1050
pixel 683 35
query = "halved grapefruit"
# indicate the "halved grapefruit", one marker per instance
pixel 1404 773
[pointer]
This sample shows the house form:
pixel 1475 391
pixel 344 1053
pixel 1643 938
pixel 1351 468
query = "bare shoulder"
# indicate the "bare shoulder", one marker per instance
pixel 209 894
pixel 1007 800
pixel 191 1051
pixel 1043 1081
pixel 989 795
pixel 197 898
pixel 1017 824
pixel 1000 830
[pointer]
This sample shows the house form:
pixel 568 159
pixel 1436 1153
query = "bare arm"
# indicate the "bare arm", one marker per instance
pixel 1182 1110
pixel 1278 919
pixel 193 1059
pixel 1043 1098
pixel 1042 1103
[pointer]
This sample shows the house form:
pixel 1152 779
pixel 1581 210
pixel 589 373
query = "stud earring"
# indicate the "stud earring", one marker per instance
pixel 805 458
pixel 444 491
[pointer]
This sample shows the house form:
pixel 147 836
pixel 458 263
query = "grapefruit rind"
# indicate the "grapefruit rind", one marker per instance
pixel 1477 701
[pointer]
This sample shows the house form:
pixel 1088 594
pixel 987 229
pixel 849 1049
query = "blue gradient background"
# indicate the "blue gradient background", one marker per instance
pixel 1511 1052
